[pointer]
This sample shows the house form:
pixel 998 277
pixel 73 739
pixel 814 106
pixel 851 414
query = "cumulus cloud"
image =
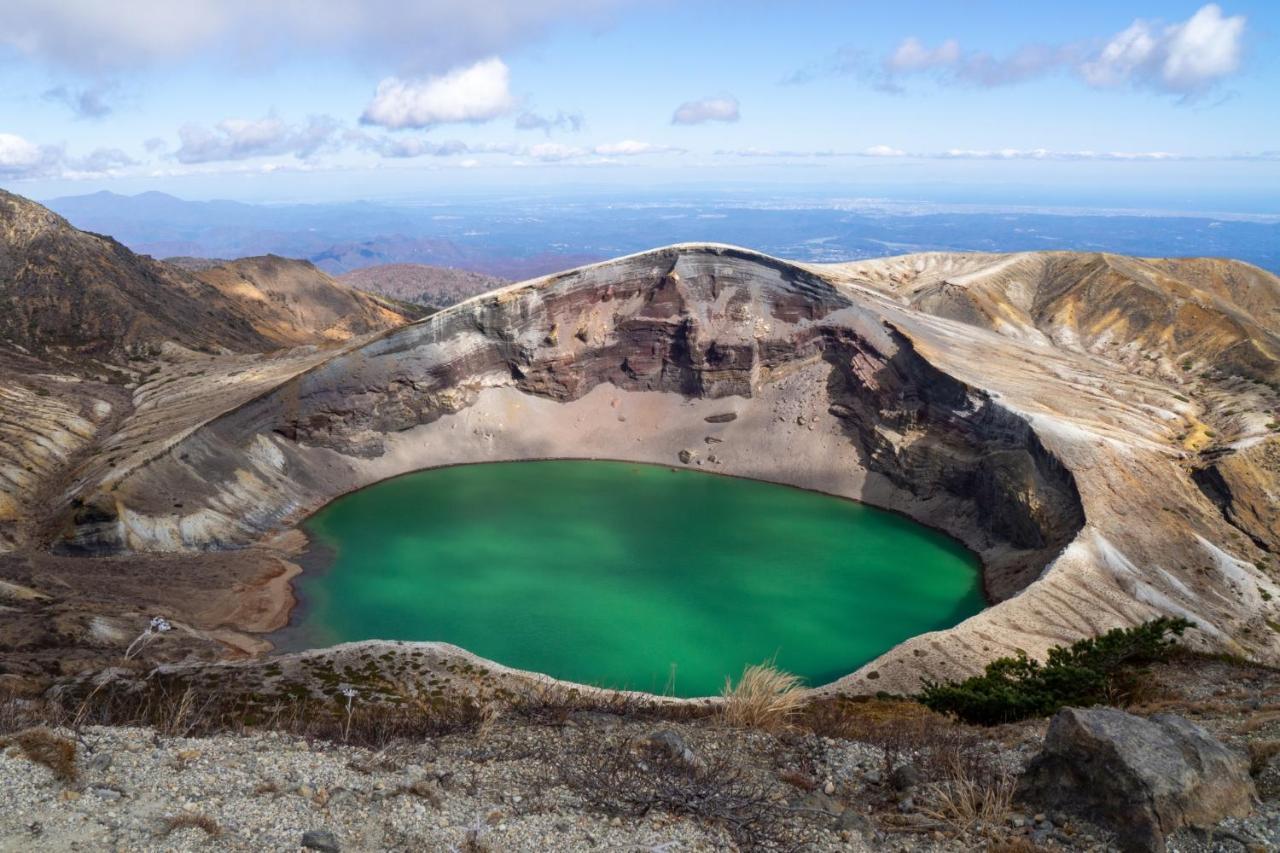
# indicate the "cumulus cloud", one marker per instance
pixel 723 108
pixel 560 121
pixel 20 158
pixel 85 103
pixel 240 139
pixel 417 37
pixel 475 94
pixel 1184 58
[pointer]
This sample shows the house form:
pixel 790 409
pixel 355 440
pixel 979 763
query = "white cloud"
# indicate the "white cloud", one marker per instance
pixel 102 161
pixel 419 36
pixel 22 159
pixel 1046 154
pixel 723 108
pixel 912 55
pixel 632 147
pixel 882 151
pixel 554 152
pixel 239 139
pixel 1184 58
pixel 475 94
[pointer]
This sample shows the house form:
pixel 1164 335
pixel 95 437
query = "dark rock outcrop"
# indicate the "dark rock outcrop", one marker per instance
pixel 1142 778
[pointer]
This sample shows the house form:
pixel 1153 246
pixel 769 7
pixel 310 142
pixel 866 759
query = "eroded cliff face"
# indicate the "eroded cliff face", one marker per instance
pixel 1068 472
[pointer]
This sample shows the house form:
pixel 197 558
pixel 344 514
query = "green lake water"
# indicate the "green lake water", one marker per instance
pixel 622 574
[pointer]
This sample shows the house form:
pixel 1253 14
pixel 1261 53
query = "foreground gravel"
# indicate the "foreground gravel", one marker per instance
pixel 137 791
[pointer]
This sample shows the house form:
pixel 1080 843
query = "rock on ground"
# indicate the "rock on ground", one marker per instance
pixel 1144 777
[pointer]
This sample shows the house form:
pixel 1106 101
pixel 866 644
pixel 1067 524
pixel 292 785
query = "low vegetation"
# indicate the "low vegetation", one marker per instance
pixel 764 698
pixel 190 820
pixel 1104 669
pixel 42 746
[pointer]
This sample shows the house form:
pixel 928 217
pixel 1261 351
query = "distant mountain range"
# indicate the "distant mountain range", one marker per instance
pixel 337 238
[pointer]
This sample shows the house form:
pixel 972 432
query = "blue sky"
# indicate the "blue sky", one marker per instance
pixel 1134 104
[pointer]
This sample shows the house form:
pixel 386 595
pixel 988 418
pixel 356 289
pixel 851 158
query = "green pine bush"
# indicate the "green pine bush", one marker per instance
pixel 1086 673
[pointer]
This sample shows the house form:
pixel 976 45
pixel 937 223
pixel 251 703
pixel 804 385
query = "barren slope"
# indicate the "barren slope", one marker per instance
pixel 291 302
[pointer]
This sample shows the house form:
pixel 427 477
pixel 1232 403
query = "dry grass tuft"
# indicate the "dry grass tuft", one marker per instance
pixel 46 748
pixel 1257 721
pixel 193 820
pixel 968 797
pixel 1014 845
pixel 1260 753
pixel 764 698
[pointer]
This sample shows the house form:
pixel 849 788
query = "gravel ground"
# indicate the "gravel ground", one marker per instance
pixel 264 792
pixel 521 785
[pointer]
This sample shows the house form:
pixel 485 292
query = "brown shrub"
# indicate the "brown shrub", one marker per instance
pixel 48 749
pixel 1014 845
pixel 624 779
pixel 190 820
pixel 1260 753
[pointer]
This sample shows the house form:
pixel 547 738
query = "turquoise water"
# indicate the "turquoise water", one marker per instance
pixel 627 575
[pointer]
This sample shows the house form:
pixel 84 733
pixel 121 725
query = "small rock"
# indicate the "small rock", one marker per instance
pixel 686 456
pixel 320 839
pixel 669 744
pixel 873 777
pixel 829 788
pixel 904 777
pixel 100 762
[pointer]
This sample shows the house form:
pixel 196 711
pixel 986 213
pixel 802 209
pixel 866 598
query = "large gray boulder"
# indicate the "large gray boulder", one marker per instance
pixel 1142 778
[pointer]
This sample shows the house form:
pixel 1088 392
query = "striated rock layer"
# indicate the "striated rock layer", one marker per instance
pixel 1100 430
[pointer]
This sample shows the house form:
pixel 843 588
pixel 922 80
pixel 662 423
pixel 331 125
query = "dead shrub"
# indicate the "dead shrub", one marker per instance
pixel 41 746
pixel 764 698
pixel 903 730
pixel 190 820
pixel 1014 845
pixel 965 799
pixel 1259 720
pixel 622 779
pixel 1260 753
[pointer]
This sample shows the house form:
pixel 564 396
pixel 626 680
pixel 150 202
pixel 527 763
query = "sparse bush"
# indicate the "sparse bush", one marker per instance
pixel 964 799
pixel 1099 669
pixel 48 749
pixel 622 779
pixel 190 820
pixel 903 730
pixel 1260 754
pixel 764 698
